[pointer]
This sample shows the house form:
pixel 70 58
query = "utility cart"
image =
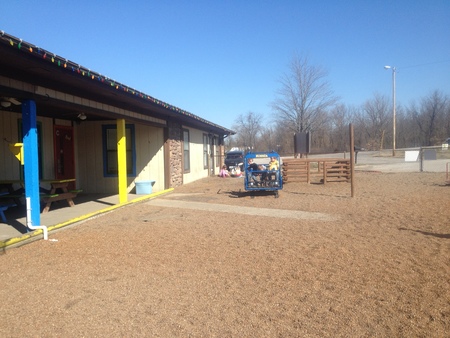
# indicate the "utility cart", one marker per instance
pixel 262 172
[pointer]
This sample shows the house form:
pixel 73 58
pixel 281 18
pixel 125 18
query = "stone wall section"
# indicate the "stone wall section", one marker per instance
pixel 176 154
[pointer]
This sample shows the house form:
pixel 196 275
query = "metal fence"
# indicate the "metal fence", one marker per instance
pixel 433 153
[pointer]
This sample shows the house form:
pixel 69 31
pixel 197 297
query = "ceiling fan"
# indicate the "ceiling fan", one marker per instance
pixel 6 102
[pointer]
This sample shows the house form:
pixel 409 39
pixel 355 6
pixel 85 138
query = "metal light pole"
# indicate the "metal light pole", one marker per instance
pixel 393 107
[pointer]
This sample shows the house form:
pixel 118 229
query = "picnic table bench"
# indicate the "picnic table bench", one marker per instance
pixel 59 190
pixel 4 207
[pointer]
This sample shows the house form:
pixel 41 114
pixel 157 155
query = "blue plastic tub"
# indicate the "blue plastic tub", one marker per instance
pixel 144 187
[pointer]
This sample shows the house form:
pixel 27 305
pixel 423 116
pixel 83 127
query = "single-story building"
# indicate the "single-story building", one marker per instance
pixel 75 123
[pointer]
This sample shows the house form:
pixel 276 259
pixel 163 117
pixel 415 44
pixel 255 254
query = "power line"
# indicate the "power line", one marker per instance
pixel 424 64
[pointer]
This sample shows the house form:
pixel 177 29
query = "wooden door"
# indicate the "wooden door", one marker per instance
pixel 64 152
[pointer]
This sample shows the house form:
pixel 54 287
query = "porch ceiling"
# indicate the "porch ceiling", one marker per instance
pixel 28 65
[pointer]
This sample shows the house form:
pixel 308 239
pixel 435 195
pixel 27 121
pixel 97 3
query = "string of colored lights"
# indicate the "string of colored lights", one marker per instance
pixel 85 72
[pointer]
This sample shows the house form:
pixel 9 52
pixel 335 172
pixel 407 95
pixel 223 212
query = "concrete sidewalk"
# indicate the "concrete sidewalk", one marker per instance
pixel 231 209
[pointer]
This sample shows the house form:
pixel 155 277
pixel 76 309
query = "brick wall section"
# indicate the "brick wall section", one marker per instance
pixel 176 154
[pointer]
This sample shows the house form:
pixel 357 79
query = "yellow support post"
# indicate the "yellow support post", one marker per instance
pixel 122 160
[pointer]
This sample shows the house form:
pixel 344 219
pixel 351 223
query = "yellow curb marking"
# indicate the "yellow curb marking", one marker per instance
pixel 15 240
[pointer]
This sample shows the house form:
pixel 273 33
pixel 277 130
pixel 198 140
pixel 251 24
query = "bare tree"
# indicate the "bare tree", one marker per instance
pixel 377 120
pixel 304 96
pixel 268 140
pixel 431 117
pixel 248 129
pixel 405 129
pixel 284 145
pixel 359 124
pixel 447 120
pixel 340 118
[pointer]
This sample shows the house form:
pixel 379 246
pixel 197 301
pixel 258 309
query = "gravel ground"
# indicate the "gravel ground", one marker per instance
pixel 210 261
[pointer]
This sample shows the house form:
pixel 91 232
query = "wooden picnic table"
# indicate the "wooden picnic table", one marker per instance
pixel 59 190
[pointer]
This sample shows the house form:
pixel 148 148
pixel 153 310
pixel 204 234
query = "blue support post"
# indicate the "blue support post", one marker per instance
pixel 31 160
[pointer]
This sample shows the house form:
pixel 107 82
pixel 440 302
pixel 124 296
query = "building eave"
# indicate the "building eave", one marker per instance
pixel 23 61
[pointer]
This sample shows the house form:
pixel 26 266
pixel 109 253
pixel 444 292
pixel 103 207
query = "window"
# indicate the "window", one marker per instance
pixel 186 155
pixel 205 151
pixel 110 164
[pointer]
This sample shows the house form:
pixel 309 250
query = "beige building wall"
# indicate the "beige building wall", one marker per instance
pixel 89 152
pixel 89 160
pixel 149 147
pixel 150 155
pixel 9 129
pixel 197 170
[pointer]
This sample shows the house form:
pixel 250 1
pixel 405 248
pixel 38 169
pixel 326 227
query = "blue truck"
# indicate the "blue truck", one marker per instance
pixel 262 172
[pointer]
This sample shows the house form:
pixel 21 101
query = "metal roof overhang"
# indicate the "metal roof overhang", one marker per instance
pixel 26 67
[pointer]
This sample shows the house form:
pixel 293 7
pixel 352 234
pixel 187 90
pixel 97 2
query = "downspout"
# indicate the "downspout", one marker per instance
pixel 30 223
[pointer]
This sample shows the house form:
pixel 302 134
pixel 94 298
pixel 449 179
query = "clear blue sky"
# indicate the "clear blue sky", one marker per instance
pixel 219 59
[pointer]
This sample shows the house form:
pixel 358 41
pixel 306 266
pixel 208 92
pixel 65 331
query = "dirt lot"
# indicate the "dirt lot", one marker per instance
pixel 376 265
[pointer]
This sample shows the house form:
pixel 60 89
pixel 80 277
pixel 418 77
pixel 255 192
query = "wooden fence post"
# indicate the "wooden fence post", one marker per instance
pixel 352 160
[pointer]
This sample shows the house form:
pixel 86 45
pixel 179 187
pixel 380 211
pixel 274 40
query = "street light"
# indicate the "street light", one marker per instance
pixel 393 107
